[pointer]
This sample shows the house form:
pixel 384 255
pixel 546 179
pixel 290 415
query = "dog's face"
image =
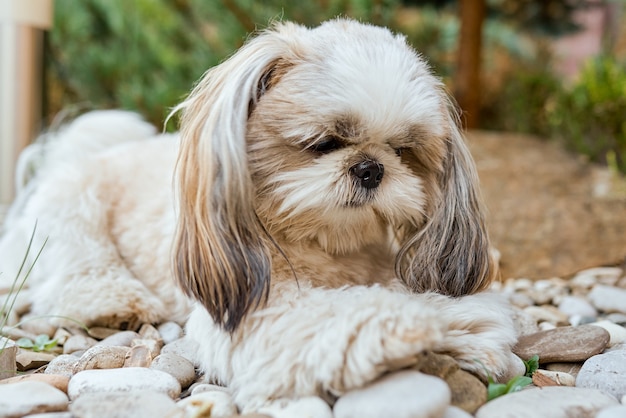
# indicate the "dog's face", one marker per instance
pixel 336 137
pixel 344 143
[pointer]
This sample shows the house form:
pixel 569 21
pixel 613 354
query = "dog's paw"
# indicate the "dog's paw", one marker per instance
pixel 390 341
pixel 499 365
pixel 119 303
pixel 480 334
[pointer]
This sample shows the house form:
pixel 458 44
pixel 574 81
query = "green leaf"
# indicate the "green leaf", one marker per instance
pixel 517 383
pixel 495 390
pixel 532 364
pixel 50 345
pixel 24 343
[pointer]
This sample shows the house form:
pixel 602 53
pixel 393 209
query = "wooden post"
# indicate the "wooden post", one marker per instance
pixel 21 47
pixel 467 90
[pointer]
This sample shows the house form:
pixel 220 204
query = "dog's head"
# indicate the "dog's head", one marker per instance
pixel 335 136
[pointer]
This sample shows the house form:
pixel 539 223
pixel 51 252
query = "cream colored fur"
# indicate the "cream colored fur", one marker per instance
pixel 301 276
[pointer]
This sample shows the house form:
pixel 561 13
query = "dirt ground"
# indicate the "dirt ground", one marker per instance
pixel 550 212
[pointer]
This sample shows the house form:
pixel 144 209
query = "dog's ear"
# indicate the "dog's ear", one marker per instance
pixel 450 253
pixel 221 249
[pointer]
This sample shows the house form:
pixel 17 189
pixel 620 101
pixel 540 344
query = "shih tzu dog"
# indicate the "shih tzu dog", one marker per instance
pixel 319 212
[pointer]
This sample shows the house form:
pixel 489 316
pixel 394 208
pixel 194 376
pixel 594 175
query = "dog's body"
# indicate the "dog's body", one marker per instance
pixel 322 195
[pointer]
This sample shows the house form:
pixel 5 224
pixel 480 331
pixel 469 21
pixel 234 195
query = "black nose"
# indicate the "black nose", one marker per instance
pixel 369 172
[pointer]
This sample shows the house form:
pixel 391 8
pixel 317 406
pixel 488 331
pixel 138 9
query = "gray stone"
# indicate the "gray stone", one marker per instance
pixel 569 368
pixel 565 344
pixel 182 347
pixel 616 411
pixel 220 404
pixel 177 366
pixel 576 305
pixel 100 333
pixel 136 404
pixel 550 401
pixel 547 313
pixel 122 339
pixel 617 332
pixel 617 318
pixel 61 336
pixel 149 332
pixel 409 394
pixel 30 397
pixel 206 387
pixel 78 343
pixel 307 407
pixel 63 365
pixel 606 372
pixel 58 381
pixel 170 331
pixel 123 380
pixel 138 356
pixel 608 298
pixel 153 345
pixel 603 275
pixel 454 412
pixel 524 323
pixel 521 300
pixel 102 357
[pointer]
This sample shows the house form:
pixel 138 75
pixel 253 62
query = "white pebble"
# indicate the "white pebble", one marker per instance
pixel 170 331
pixel 616 411
pixel 179 367
pixel 126 379
pixel 206 387
pixel 412 394
pixel 216 404
pixel 608 298
pixel 617 332
pixel 102 357
pixel 576 305
pixel 23 398
pixel 454 412
pixel 308 407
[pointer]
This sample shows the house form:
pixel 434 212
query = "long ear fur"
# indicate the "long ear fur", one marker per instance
pixel 451 253
pixel 221 248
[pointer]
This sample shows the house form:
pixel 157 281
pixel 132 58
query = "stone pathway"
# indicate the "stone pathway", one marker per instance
pixel 575 326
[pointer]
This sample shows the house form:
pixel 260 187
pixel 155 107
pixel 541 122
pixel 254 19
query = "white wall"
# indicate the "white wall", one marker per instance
pixel 21 28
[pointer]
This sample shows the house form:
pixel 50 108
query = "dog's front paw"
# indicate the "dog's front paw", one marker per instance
pixel 389 341
pixel 121 302
pixel 480 335
pixel 500 365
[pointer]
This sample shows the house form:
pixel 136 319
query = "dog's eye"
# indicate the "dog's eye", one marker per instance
pixel 400 151
pixel 327 145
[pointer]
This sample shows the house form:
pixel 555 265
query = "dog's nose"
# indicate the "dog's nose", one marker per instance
pixel 369 172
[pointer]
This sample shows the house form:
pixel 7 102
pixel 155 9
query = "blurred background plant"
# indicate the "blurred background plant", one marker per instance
pixel 145 55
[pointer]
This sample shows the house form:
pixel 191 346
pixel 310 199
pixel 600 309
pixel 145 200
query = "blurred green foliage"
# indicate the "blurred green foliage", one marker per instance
pixel 587 115
pixel 591 114
pixel 145 55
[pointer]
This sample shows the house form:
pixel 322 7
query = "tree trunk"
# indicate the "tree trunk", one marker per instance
pixel 467 91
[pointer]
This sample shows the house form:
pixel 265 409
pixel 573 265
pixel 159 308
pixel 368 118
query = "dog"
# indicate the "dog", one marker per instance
pixel 316 222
